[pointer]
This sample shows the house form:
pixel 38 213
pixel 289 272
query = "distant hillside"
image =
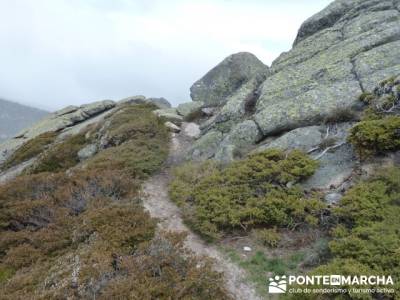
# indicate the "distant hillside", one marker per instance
pixel 14 117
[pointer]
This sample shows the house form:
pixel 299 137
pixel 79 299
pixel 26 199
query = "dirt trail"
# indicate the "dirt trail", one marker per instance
pixel 159 205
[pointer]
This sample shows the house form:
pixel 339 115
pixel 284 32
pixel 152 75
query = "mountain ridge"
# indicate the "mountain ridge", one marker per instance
pixel 15 117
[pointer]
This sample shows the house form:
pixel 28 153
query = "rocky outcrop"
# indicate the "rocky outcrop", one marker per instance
pixel 226 78
pixel 338 54
pixel 161 103
pixel 66 121
pixel 309 98
pixel 87 152
pixel 14 117
pixel 169 114
pixel 205 147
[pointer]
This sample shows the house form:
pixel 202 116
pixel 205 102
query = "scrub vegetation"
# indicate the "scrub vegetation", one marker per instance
pixel 378 132
pixel 84 234
pixel 259 190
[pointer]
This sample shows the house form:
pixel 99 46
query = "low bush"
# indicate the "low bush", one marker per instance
pixel 92 219
pixel 372 137
pixel 366 240
pixel 137 143
pixel 164 269
pixel 61 156
pixel 246 193
pixel 134 122
pixel 30 149
pixel 84 234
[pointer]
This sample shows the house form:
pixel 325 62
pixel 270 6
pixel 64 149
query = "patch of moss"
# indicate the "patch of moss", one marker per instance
pixel 30 149
pixel 259 266
pixel 373 137
pixel 246 193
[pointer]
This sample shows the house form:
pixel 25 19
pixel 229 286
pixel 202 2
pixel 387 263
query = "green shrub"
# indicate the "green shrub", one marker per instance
pixel 30 149
pixel 366 240
pixel 246 193
pixel 61 156
pixel 373 137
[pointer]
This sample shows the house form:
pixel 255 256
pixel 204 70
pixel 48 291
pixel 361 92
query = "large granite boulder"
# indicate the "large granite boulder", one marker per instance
pixel 205 147
pixel 304 138
pixel 169 114
pixel 335 168
pixel 227 77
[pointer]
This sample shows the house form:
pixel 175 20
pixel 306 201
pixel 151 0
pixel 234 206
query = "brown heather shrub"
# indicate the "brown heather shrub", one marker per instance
pixel 165 269
pixel 86 235
pixel 61 156
pixel 138 142
pixel 135 122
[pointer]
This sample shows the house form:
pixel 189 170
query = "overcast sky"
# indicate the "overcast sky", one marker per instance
pixel 55 53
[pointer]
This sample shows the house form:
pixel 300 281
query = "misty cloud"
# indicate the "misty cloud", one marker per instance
pixel 59 52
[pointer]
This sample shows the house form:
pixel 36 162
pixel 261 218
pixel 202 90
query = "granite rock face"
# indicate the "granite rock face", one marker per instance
pixel 226 78
pixel 339 53
pixel 188 108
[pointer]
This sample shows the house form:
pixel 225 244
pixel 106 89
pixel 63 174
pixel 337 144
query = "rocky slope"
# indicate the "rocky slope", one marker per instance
pixel 270 151
pixel 14 117
pixel 339 53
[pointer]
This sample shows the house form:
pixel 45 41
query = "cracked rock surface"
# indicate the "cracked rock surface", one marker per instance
pixel 339 53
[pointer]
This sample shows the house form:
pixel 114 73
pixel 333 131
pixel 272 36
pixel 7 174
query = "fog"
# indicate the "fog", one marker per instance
pixel 54 53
